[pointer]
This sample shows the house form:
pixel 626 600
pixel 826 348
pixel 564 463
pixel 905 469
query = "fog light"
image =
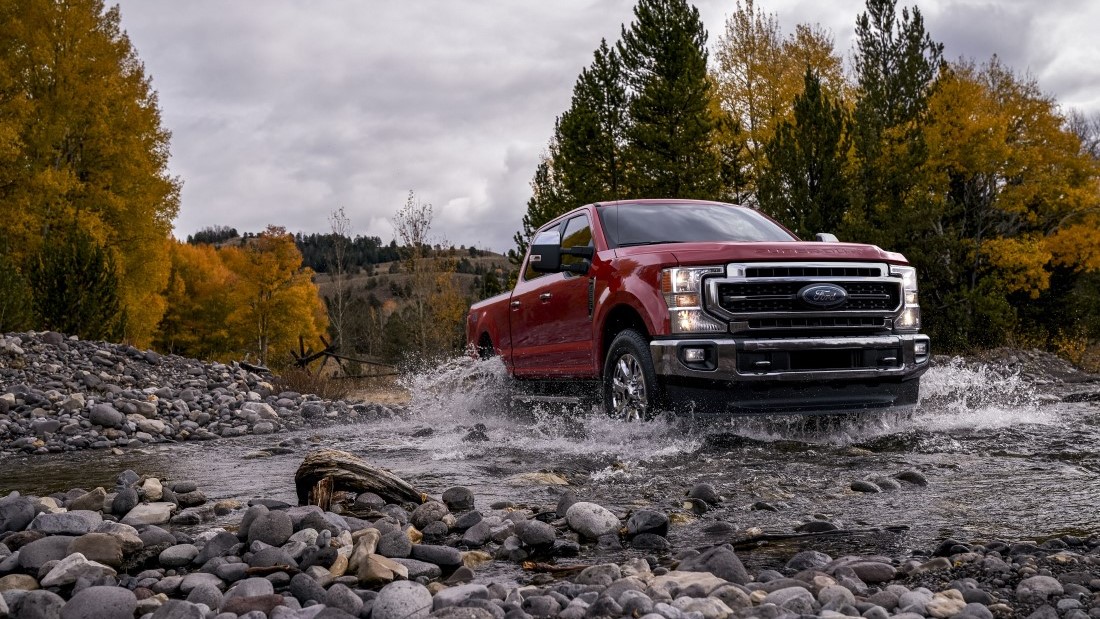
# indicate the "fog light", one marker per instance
pixel 695 355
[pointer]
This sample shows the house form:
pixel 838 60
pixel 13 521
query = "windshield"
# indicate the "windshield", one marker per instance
pixel 648 224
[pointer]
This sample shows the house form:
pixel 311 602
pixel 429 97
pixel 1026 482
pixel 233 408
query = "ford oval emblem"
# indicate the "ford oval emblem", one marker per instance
pixel 825 296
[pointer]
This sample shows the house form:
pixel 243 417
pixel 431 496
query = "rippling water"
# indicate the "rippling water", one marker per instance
pixel 1003 461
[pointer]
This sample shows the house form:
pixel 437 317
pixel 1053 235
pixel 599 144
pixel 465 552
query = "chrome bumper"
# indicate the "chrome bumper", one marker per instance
pixel 721 363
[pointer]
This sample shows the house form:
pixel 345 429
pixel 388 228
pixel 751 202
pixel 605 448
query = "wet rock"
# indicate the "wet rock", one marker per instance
pixel 807 560
pixel 647 521
pixel 99 547
pixel 816 526
pixel 591 520
pixel 913 477
pixel 402 600
pixel 273 528
pixel 67 523
pixel 721 561
pixel 1038 588
pixel 861 485
pixel 100 603
pixel 74 567
pixel 704 492
pixel 427 513
pixel 650 541
pixel 535 533
pixel 458 499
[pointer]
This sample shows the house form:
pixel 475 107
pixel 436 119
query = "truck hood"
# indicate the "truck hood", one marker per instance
pixel 720 253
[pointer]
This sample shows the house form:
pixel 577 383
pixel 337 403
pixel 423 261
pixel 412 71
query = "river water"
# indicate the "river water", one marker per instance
pixel 1002 458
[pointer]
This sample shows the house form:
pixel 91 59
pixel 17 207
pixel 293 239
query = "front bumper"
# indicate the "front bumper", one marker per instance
pixel 823 374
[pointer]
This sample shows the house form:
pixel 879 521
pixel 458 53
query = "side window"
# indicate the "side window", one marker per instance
pixel 578 233
pixel 550 235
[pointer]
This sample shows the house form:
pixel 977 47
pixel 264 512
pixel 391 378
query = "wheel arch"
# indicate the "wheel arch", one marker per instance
pixel 619 318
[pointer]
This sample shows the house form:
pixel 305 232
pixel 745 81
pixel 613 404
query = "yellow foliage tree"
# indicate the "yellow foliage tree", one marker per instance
pixel 274 300
pixel 198 294
pixel 82 147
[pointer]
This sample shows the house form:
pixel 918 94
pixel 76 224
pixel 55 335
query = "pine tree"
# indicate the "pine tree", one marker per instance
pixel 548 200
pixel 670 126
pixel 896 64
pixel 76 288
pixel 804 183
pixel 590 134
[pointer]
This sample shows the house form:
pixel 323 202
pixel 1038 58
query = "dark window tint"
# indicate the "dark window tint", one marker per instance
pixel 578 233
pixel 546 237
pixel 649 224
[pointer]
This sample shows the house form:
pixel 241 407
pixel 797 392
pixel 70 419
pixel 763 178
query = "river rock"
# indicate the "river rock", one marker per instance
pixel 704 492
pixel 402 600
pixel 945 604
pixel 16 512
pixel 453 596
pixel 37 553
pixel 304 587
pixel 74 567
pixel 807 560
pixel 443 556
pixel 105 415
pixel 18 582
pixel 376 569
pixel 125 500
pixel 100 603
pixel 99 547
pixel 861 485
pixel 273 528
pixel 591 520
pixel 206 594
pixel 794 599
pixel 395 545
pixel 92 501
pixel 427 513
pixel 178 609
pixel 535 533
pixel 647 521
pixel 1038 588
pixel 178 555
pixel 458 499
pixel 873 571
pixel 721 561
pixel 67 523
pixel 38 604
pixel 149 513
pixel 152 489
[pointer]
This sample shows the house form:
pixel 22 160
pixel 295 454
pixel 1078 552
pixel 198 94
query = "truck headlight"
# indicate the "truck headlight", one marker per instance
pixel 683 293
pixel 909 319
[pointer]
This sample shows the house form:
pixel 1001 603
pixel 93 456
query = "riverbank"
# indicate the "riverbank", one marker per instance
pixel 157 548
pixel 63 394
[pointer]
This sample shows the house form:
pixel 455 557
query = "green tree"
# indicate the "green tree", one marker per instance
pixel 548 200
pixel 804 183
pixel 669 135
pixel 590 134
pixel 896 63
pixel 76 288
pixel 82 147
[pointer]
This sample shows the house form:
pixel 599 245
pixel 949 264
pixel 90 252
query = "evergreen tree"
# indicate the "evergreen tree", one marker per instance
pixel 76 288
pixel 804 184
pixel 590 134
pixel 670 125
pixel 15 295
pixel 896 64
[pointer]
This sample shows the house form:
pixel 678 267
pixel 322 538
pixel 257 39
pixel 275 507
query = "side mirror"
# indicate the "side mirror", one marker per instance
pixel 545 258
pixel 825 237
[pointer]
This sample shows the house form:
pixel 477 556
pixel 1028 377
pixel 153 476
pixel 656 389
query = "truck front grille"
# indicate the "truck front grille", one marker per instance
pixel 773 296
pixel 765 299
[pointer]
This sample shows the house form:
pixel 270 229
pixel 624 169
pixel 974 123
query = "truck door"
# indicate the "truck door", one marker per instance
pixel 551 324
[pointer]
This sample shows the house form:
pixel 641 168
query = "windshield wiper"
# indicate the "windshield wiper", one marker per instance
pixel 635 244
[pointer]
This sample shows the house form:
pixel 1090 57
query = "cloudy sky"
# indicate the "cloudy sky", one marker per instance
pixel 284 110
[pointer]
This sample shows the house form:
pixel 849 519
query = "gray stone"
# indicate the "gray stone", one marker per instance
pixel 591 520
pixel 794 599
pixel 600 575
pixel 418 569
pixel 100 547
pixel 38 604
pixel 340 596
pixel 443 556
pixel 1038 588
pixel 458 498
pixel 74 567
pixel 704 492
pixel 273 528
pixel 196 579
pixel 178 609
pixel 647 521
pixel 178 555
pixel 91 501
pixel 721 561
pixel 427 513
pixel 535 533
pixel 39 552
pixel 402 600
pixel 395 545
pixel 271 557
pixel 100 603
pixel 105 415
pixel 124 501
pixel 453 596
pixel 861 485
pixel 16 512
pixel 149 513
pixel 873 571
pixel 249 587
pixel 217 546
pixel 305 588
pixel 206 594
pixel 808 559
pixel 67 523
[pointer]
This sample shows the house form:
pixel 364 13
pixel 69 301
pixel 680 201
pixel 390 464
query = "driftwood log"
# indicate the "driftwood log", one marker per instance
pixel 328 471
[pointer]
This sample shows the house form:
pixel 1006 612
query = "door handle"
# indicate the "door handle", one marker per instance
pixel 515 304
pixel 544 297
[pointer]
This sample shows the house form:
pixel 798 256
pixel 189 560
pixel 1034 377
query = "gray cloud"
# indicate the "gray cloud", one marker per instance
pixel 284 111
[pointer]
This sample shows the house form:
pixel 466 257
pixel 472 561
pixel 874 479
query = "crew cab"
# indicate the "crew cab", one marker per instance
pixel 707 307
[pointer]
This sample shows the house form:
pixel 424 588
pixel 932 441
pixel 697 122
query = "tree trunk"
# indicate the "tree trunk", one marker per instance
pixel 338 470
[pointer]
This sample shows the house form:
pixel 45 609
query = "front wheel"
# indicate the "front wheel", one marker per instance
pixel 630 390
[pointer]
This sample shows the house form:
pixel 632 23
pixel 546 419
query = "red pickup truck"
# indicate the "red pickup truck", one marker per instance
pixel 708 307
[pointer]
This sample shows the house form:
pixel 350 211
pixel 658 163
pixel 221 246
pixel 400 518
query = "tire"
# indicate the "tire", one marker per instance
pixel 630 389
